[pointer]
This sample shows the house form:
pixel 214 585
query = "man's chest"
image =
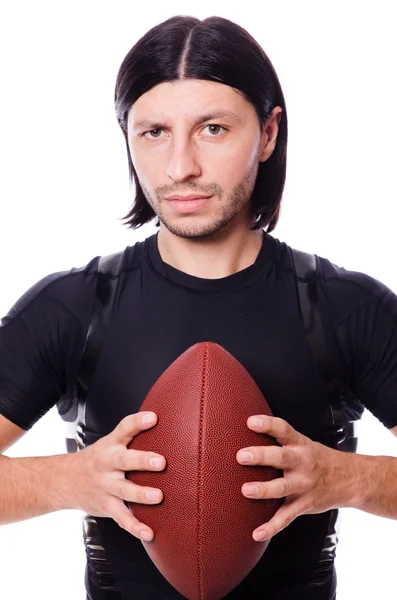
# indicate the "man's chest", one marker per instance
pixel 264 334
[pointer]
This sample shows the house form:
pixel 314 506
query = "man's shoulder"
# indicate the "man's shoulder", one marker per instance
pixel 61 288
pixel 128 259
pixel 333 277
pixel 69 288
pixel 351 289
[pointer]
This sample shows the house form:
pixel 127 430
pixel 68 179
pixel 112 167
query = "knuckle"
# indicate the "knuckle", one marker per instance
pixel 122 426
pixel 297 457
pixel 135 460
pixel 286 521
pixel 130 492
pixel 265 492
pixel 131 419
pixel 122 460
pixel 284 487
pixel 141 459
pixel 141 495
pixel 128 422
pixel 284 455
pixel 312 463
pixel 118 489
pixel 284 427
pixel 134 493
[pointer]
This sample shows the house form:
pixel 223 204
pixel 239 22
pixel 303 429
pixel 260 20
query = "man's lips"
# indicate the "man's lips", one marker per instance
pixel 185 206
pixel 184 198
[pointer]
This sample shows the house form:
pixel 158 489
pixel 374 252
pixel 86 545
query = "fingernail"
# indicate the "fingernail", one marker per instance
pixel 250 489
pixel 246 456
pixel 156 462
pixel 260 536
pixel 145 535
pixel 149 418
pixel 256 422
pixel 153 495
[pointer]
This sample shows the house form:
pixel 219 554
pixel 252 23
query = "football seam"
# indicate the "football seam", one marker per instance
pixel 199 494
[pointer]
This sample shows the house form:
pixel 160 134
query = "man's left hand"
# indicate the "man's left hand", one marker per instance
pixel 315 477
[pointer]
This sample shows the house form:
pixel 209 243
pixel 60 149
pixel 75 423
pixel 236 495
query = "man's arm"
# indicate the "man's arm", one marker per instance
pixel 31 487
pixel 374 483
pixel 92 480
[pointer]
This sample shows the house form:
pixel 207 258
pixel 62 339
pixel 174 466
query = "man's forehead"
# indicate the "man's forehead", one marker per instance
pixel 193 101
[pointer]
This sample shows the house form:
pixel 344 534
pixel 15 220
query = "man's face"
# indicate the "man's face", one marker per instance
pixel 218 157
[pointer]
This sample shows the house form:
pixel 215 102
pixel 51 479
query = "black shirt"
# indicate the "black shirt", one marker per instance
pixel 159 312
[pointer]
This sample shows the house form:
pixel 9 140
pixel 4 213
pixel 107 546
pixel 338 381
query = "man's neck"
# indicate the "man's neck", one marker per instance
pixel 210 258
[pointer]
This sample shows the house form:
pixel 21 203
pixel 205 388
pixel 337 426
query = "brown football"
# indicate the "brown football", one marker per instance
pixel 203 542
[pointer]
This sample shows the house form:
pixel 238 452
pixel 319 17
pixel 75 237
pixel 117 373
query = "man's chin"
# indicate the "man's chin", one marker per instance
pixel 195 231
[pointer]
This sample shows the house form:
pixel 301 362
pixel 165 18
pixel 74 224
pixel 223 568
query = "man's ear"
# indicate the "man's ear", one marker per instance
pixel 269 134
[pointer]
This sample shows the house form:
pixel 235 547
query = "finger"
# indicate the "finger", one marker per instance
pixel 132 492
pixel 125 519
pixel 279 457
pixel 277 488
pixel 275 427
pixel 130 426
pixel 129 459
pixel 283 517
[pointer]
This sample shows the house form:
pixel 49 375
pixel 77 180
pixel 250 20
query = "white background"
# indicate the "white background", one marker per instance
pixel 64 187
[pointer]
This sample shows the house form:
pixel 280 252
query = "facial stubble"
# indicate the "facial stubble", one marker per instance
pixel 194 226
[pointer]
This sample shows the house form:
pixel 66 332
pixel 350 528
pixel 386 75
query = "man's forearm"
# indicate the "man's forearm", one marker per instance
pixel 33 486
pixel 371 484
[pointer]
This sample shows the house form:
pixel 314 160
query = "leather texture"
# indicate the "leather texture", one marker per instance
pixel 203 544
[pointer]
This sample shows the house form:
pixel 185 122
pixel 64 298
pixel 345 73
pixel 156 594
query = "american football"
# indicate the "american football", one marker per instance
pixel 203 527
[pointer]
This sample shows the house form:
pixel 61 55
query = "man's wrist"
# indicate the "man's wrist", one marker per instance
pixel 366 480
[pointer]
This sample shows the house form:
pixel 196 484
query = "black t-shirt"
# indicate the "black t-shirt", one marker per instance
pixel 158 313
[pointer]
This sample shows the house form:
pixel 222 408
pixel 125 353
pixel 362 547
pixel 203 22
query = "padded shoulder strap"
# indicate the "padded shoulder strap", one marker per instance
pixel 327 361
pixel 106 288
pixel 107 280
pixel 110 263
pixel 306 271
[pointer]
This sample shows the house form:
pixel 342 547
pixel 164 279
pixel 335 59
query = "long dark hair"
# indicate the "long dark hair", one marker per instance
pixel 214 49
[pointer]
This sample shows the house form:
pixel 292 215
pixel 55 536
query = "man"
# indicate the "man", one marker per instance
pixel 203 115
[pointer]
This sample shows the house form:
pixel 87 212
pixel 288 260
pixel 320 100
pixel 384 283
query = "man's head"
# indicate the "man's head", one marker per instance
pixel 202 112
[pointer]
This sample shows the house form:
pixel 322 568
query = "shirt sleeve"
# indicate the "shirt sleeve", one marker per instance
pixel 39 343
pixel 367 338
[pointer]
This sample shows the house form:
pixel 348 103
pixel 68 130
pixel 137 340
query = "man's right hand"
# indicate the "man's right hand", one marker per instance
pixel 98 482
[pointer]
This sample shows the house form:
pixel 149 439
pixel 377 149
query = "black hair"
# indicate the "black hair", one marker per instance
pixel 214 49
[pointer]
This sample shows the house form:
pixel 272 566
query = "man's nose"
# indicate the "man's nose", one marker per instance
pixel 184 162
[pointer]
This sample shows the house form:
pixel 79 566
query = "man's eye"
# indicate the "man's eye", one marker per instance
pixel 219 126
pixel 145 132
pixel 158 129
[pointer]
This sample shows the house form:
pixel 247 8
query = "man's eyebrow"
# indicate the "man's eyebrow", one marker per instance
pixel 220 114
